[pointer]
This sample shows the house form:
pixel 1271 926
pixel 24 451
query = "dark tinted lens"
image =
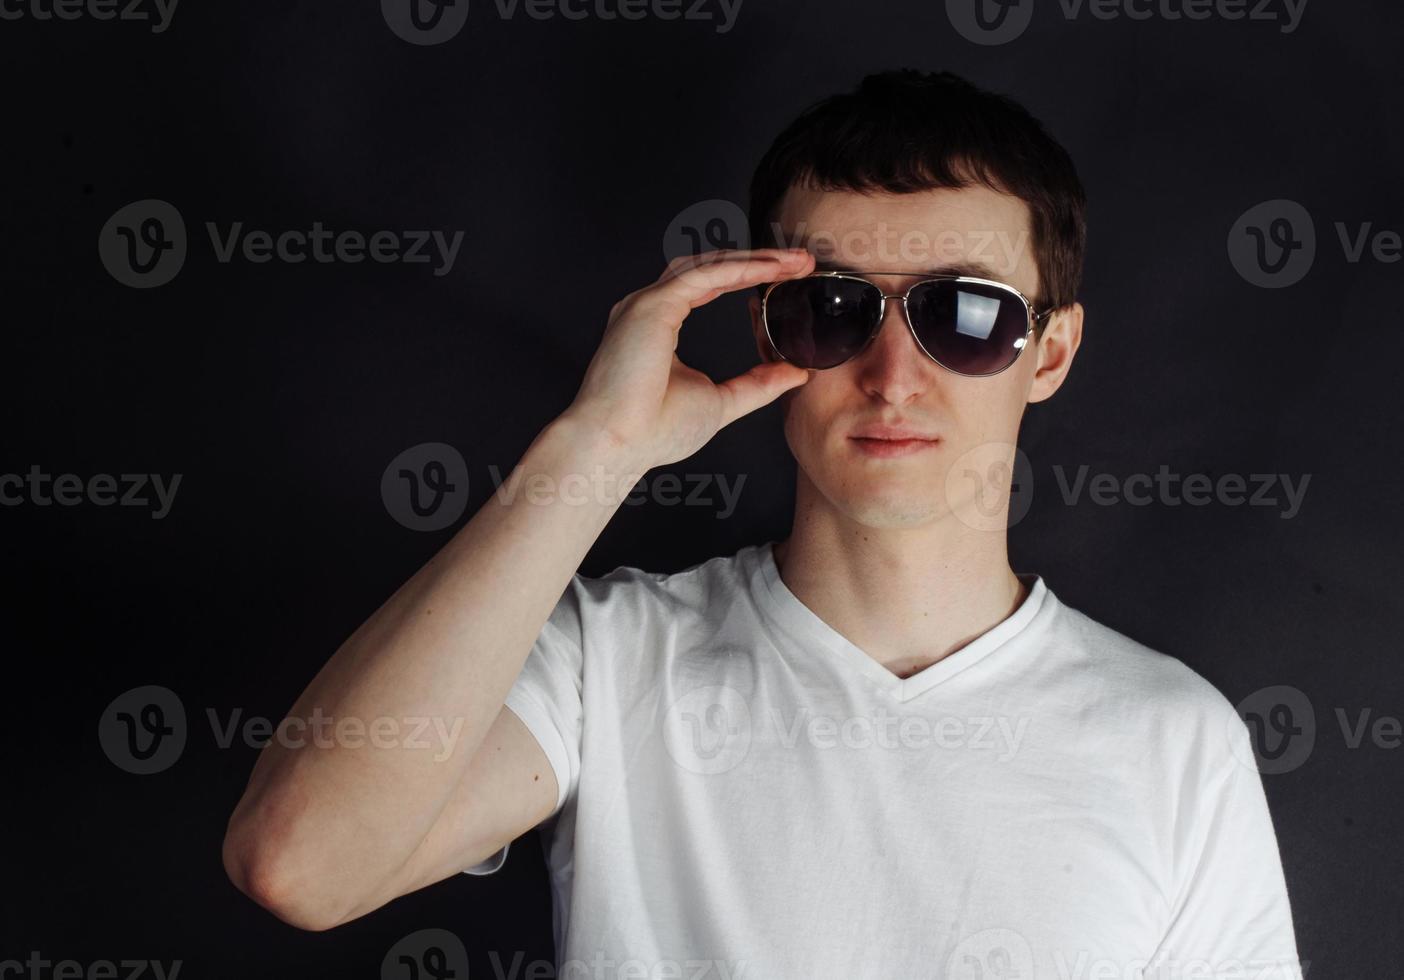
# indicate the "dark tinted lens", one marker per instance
pixel 970 328
pixel 822 321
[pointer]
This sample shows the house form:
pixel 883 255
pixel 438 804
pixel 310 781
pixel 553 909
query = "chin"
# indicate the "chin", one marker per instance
pixel 888 507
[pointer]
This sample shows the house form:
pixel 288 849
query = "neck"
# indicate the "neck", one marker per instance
pixel 906 596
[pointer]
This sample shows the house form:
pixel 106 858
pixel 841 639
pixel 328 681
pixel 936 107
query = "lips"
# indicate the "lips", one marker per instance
pixel 892 433
pixel 887 441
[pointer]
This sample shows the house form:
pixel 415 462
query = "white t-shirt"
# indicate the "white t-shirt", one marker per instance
pixel 746 794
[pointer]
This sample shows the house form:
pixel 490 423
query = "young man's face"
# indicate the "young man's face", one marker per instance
pixel 968 425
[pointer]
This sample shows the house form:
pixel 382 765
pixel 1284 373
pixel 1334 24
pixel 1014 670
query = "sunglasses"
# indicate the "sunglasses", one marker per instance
pixel 973 327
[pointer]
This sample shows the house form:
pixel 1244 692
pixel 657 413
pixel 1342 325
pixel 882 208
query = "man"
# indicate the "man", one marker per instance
pixel 870 750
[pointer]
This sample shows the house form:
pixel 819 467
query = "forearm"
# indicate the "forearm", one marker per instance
pixel 341 814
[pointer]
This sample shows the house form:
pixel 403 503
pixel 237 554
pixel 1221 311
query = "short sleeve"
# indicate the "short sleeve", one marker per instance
pixel 546 696
pixel 1231 916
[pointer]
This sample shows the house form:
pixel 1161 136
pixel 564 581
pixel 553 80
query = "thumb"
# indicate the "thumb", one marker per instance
pixel 758 387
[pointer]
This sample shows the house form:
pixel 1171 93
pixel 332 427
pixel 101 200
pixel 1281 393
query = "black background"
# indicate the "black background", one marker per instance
pixel 563 150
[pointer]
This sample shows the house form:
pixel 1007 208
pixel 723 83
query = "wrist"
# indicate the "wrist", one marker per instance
pixel 576 444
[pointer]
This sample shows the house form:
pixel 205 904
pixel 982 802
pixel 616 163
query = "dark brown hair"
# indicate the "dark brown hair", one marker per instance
pixel 905 131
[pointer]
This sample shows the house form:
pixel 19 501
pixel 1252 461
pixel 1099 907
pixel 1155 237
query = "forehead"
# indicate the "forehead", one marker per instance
pixel 970 230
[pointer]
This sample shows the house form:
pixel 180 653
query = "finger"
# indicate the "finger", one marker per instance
pixel 757 388
pixel 683 263
pixel 699 284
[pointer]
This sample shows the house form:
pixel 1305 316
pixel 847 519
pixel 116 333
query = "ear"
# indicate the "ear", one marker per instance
pixel 763 348
pixel 1056 349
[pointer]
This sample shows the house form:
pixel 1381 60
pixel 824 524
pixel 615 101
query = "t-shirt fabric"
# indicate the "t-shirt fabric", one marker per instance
pixel 744 793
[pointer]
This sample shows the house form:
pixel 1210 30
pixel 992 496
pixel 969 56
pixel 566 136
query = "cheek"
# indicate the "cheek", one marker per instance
pixel 808 415
pixel 987 409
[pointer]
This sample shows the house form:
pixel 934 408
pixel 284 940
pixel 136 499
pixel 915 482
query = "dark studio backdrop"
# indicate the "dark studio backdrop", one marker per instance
pixel 1243 322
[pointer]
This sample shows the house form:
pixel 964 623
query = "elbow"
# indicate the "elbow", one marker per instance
pixel 273 881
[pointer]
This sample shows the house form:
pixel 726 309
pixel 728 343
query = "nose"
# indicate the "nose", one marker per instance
pixel 893 367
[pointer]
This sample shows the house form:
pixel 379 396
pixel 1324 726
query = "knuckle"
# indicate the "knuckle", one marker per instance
pixel 626 303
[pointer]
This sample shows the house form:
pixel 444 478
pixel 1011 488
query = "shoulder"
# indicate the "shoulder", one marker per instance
pixel 1135 669
pixel 629 597
pixel 1145 690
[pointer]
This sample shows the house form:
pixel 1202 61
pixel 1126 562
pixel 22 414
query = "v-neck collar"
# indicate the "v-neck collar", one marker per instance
pixel 804 624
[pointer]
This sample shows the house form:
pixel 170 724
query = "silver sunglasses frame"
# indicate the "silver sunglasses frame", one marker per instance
pixel 1032 316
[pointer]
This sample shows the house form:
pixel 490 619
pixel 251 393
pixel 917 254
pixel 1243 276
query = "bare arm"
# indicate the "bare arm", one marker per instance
pixel 328 832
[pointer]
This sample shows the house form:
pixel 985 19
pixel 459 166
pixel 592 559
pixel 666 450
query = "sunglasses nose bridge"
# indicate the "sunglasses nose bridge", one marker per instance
pixel 885 307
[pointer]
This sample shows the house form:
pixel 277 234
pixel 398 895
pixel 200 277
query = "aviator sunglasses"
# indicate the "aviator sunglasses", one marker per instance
pixel 973 327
